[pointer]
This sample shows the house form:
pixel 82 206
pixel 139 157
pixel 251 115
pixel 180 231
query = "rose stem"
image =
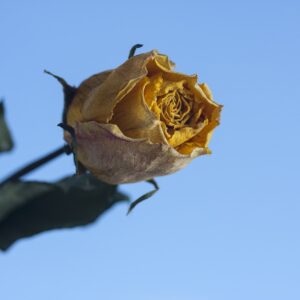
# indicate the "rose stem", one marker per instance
pixel 37 163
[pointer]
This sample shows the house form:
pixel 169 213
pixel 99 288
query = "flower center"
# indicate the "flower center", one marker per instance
pixel 175 108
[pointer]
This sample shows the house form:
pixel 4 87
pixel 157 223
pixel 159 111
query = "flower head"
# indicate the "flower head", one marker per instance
pixel 141 120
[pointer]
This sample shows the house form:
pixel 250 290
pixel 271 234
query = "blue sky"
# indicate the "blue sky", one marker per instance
pixel 224 228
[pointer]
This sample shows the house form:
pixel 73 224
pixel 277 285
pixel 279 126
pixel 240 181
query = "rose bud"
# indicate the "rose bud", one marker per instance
pixel 141 120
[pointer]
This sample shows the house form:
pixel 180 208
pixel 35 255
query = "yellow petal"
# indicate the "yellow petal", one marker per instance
pixel 100 103
pixel 168 86
pixel 134 118
pixel 182 135
pixel 205 88
pixel 211 111
pixel 202 139
pixel 204 97
pixel 160 62
pixel 83 91
pixel 189 147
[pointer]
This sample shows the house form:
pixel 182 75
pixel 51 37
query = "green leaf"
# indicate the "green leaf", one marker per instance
pixel 145 196
pixel 28 208
pixel 69 93
pixel 6 142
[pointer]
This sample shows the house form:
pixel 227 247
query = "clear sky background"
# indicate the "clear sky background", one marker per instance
pixel 224 228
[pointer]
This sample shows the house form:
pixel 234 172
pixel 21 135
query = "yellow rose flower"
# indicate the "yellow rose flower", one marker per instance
pixel 141 120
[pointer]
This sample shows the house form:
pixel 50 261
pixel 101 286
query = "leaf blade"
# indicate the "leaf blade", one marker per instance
pixel 6 141
pixel 145 196
pixel 71 202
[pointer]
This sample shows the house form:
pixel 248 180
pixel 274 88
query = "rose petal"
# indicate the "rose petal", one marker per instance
pixel 202 139
pixel 182 135
pixel 204 96
pixel 205 88
pixel 134 118
pixel 101 102
pixel 74 112
pixel 114 158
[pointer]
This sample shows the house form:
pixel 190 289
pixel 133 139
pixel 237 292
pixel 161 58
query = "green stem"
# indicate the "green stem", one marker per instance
pixel 37 163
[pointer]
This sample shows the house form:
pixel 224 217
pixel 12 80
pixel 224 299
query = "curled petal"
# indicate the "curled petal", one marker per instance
pixel 134 118
pixel 184 134
pixel 114 158
pixel 100 103
pixel 86 87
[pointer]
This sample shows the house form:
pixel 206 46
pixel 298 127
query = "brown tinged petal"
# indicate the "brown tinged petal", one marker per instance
pixel 100 103
pixel 86 87
pixel 115 158
pixel 134 118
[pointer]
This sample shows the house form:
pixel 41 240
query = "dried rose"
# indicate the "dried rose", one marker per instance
pixel 141 120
